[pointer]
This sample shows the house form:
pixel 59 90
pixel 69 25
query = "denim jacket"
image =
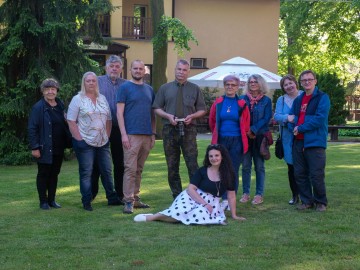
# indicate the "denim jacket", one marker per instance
pixel 260 115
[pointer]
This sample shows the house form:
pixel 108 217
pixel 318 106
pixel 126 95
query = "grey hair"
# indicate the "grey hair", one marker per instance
pixel 49 82
pixel 114 59
pixel 264 88
pixel 231 78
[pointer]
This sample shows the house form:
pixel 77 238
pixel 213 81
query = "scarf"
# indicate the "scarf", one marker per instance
pixel 254 100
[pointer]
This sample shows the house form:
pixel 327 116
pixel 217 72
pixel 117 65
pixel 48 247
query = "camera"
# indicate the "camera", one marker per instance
pixel 180 125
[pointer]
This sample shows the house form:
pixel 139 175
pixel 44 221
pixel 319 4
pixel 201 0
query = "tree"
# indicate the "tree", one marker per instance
pixel 330 84
pixel 39 39
pixel 320 35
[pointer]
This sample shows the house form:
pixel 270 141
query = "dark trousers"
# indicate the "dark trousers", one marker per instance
pixel 174 144
pixel 235 148
pixel 117 155
pixel 47 179
pixel 292 181
pixel 309 168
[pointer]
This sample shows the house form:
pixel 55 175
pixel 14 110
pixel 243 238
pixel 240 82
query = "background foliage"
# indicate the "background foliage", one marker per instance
pixel 321 35
pixel 40 39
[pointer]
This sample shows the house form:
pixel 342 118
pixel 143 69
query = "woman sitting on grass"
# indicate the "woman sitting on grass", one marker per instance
pixel 200 202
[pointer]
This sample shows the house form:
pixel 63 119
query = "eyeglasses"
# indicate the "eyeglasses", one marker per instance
pixel 253 82
pixel 231 85
pixel 307 80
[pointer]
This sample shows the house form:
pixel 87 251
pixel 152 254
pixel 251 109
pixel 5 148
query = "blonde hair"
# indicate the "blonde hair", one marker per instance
pixel 264 88
pixel 83 90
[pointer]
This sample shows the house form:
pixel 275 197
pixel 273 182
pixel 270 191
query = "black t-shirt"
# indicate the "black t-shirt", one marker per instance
pixel 201 180
pixel 58 129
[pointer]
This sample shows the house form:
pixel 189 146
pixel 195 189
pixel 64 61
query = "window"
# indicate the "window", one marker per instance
pixel 198 63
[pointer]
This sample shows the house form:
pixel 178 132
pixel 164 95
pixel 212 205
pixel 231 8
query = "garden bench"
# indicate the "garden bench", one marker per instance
pixel 334 131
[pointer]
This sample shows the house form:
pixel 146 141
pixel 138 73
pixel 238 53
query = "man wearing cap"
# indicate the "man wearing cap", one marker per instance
pixel 108 86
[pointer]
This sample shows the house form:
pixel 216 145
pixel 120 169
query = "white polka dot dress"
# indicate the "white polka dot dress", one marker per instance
pixel 187 211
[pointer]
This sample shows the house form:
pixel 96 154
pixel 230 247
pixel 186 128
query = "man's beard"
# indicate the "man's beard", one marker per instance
pixel 136 78
pixel 114 76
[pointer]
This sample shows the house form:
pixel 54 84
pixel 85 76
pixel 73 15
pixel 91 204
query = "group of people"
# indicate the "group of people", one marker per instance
pixel 113 118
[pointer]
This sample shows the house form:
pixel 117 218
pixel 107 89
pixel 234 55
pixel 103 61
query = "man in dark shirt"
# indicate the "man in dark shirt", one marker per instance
pixel 179 103
pixel 108 86
pixel 310 112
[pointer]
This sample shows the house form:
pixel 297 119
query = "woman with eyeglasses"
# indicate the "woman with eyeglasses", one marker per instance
pixel 200 202
pixel 260 115
pixel 229 123
pixel 283 105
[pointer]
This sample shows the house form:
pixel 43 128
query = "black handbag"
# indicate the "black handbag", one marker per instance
pixel 279 149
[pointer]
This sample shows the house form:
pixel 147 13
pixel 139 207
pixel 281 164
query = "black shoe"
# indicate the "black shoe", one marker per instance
pixel 88 207
pixel 44 206
pixel 116 202
pixel 294 200
pixel 54 204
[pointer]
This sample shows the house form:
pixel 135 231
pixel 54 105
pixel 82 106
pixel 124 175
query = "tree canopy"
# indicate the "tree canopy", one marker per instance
pixel 40 39
pixel 321 35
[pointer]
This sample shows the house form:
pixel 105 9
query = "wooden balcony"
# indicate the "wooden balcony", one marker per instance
pixel 137 28
pixel 104 25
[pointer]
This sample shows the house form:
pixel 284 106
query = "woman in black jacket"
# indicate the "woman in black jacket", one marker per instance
pixel 48 135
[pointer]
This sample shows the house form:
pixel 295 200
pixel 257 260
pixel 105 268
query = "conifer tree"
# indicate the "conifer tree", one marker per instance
pixel 40 39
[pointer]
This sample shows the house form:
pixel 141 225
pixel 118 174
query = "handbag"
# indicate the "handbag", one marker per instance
pixel 267 140
pixel 279 149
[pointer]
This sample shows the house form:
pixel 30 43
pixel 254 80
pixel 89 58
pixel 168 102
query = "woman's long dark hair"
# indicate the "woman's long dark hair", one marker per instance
pixel 226 170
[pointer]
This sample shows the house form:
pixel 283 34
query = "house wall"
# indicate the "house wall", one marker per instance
pixel 224 29
pixel 230 28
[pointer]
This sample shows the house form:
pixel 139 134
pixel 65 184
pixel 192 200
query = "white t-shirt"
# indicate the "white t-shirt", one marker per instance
pixel 90 118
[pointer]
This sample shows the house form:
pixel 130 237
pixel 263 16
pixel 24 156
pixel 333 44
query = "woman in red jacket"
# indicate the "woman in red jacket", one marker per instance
pixel 229 122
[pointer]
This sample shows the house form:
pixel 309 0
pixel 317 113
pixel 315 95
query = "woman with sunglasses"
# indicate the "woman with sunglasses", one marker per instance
pixel 229 123
pixel 260 115
pixel 200 202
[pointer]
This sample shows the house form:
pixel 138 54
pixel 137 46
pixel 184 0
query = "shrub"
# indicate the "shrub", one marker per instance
pixel 330 84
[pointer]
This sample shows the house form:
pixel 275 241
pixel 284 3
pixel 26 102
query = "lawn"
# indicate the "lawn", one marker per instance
pixel 274 236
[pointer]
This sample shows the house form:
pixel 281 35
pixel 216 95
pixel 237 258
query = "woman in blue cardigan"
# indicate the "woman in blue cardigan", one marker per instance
pixel 260 116
pixel 283 105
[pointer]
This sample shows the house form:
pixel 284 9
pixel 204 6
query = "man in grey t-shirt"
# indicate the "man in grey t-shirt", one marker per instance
pixel 179 103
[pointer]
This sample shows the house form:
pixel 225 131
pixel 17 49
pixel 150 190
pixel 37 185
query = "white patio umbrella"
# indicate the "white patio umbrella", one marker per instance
pixel 238 66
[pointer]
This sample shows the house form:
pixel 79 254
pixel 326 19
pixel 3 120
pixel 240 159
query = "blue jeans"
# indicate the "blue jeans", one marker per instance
pixel 235 148
pixel 86 155
pixel 309 169
pixel 253 155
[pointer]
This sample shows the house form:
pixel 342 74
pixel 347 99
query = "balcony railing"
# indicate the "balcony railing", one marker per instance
pixel 137 28
pixel 104 25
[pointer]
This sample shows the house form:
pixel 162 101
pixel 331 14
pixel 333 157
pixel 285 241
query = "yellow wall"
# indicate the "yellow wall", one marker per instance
pixel 116 19
pixel 224 29
pixel 230 28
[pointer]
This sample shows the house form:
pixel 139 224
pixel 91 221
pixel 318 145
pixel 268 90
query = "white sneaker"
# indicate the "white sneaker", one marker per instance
pixel 141 217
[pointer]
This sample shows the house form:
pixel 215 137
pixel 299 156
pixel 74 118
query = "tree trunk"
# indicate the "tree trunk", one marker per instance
pixel 159 56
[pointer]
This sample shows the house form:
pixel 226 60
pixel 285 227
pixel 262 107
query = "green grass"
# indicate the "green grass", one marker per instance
pixel 275 235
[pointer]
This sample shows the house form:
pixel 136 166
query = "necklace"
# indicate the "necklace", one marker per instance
pixel 232 102
pixel 217 185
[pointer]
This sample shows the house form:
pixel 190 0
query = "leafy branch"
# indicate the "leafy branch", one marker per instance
pixel 173 28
